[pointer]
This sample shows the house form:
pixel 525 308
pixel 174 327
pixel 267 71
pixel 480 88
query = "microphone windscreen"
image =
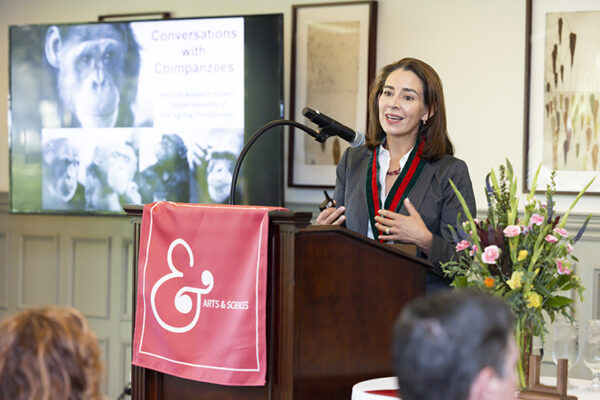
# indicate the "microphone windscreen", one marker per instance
pixel 359 139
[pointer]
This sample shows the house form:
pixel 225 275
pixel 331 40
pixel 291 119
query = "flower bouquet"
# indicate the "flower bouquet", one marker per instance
pixel 525 259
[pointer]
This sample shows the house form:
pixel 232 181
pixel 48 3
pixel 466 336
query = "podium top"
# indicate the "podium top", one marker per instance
pixel 302 220
pixel 136 210
pixel 405 250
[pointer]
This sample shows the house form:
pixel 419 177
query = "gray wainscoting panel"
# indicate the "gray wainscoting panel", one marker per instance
pixel 126 280
pixel 3 270
pixel 91 276
pixel 82 261
pixel 125 373
pixel 39 270
pixel 104 348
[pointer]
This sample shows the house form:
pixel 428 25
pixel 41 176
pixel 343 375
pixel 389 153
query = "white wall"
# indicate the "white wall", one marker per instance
pixel 477 47
pixel 481 64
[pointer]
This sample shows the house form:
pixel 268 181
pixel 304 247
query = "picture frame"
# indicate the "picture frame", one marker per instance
pixel 333 63
pixel 562 92
pixel 135 16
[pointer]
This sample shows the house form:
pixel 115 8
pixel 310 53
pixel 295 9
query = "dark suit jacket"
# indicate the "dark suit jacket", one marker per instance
pixel 432 196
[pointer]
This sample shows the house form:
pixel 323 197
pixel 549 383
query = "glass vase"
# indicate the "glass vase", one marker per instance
pixel 524 341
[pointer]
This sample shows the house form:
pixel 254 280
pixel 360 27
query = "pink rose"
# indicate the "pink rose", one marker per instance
pixel 569 248
pixel 490 254
pixel 551 239
pixel 561 231
pixel 462 245
pixel 563 267
pixel 512 231
pixel 536 219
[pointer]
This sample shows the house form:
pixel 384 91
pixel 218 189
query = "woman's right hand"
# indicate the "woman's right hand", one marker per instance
pixel 331 216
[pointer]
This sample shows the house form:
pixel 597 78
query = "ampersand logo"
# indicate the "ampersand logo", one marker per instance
pixel 182 300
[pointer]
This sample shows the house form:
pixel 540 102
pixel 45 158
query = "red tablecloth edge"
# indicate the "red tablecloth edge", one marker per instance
pixel 386 392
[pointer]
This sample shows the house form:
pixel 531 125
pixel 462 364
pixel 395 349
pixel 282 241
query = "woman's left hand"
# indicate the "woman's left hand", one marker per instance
pixel 408 229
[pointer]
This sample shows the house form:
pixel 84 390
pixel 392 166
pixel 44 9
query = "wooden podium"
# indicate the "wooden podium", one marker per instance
pixel 332 298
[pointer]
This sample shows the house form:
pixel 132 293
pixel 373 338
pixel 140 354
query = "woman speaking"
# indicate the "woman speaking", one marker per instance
pixel 396 187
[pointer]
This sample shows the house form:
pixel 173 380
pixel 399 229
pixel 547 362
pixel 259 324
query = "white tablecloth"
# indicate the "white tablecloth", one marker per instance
pixel 359 391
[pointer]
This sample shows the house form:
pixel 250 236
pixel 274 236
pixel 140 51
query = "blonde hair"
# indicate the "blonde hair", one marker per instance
pixel 49 353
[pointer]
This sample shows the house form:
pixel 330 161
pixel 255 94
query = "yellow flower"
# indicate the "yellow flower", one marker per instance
pixel 534 300
pixel 489 282
pixel 515 280
pixel 522 255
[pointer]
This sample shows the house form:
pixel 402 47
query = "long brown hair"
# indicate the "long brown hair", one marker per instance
pixel 49 353
pixel 434 131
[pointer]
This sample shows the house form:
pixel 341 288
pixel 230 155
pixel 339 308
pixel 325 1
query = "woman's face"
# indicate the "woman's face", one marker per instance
pixel 402 104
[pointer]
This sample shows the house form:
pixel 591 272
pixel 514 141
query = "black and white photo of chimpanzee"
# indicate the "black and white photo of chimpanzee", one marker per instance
pixel 96 67
pixel 169 177
pixel 61 189
pixel 110 177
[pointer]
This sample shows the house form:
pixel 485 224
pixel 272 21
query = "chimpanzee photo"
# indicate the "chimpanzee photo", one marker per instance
pixel 60 165
pixel 213 172
pixel 96 68
pixel 110 177
pixel 168 178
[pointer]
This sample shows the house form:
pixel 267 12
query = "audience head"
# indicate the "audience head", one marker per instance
pixel 435 130
pixel 455 346
pixel 49 353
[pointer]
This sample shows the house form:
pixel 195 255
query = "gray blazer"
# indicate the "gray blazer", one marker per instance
pixel 432 196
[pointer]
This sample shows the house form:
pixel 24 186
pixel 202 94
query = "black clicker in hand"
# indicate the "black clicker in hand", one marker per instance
pixel 328 202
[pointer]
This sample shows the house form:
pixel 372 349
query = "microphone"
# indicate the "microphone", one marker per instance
pixel 331 127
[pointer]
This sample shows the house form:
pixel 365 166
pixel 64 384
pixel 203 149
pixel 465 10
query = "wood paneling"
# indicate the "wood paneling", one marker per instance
pixel 73 260
pixel 38 270
pixel 91 276
pixel 3 270
pixel 126 272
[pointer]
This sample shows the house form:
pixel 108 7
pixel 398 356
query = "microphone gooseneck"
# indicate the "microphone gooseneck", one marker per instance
pixel 319 137
pixel 329 127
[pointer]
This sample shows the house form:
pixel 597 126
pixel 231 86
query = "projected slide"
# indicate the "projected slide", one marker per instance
pixel 108 114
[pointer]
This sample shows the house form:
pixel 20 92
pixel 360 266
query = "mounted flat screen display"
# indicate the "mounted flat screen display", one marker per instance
pixel 108 114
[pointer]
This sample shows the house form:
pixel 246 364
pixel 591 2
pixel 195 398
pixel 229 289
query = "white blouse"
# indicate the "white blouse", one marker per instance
pixel 383 161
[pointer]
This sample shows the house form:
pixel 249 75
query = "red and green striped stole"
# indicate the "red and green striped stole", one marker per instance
pixel 401 188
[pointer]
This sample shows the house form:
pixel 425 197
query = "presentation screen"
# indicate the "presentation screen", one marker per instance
pixel 108 114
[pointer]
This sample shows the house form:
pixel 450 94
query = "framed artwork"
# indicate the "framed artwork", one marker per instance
pixel 135 16
pixel 333 62
pixel 562 94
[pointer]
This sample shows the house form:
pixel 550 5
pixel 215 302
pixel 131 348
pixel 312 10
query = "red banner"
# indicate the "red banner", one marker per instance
pixel 201 294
